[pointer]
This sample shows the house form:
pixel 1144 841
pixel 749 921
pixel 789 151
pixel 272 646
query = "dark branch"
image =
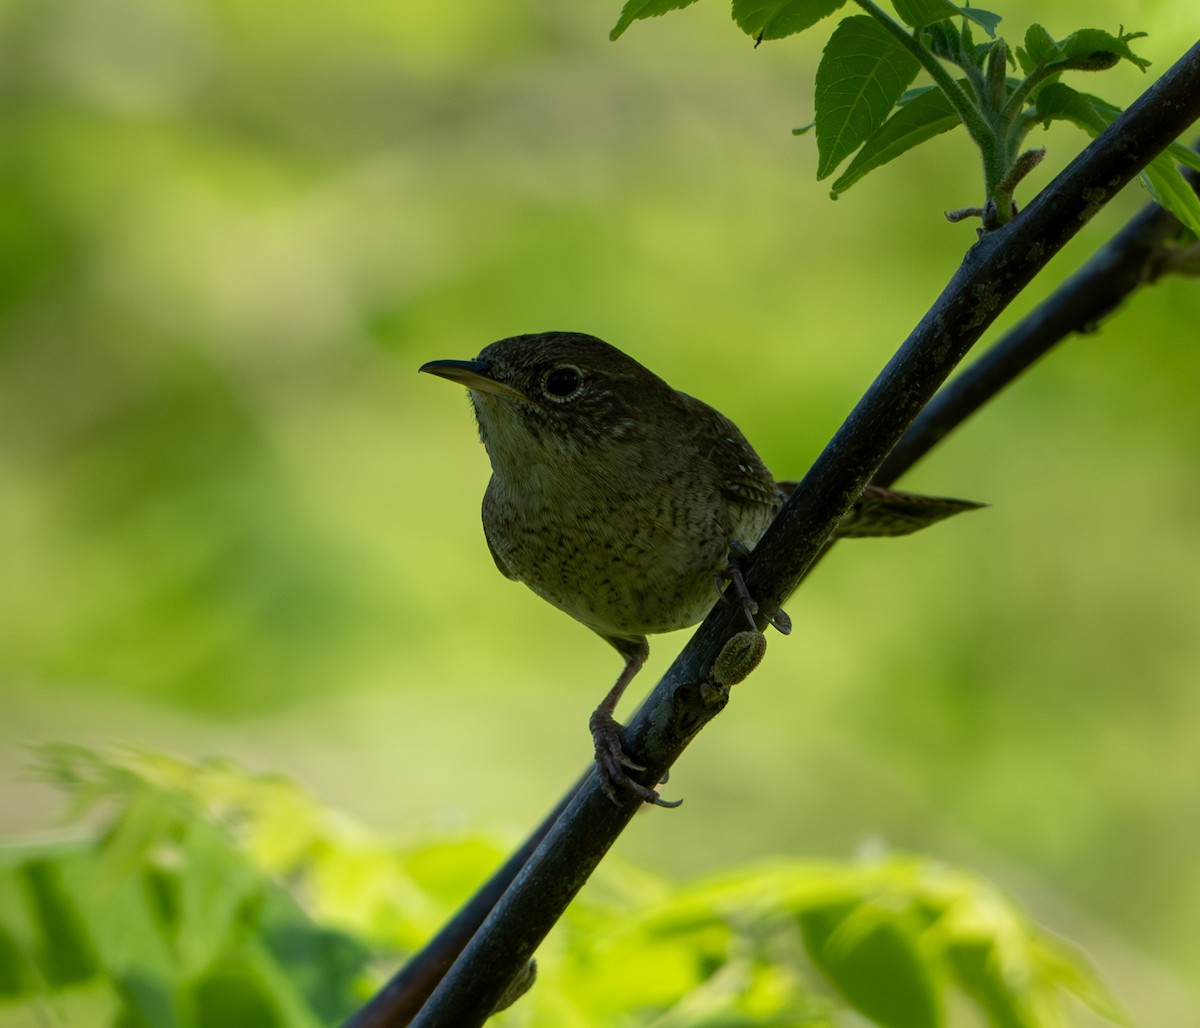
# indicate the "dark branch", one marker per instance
pixel 993 273
pixel 1134 257
pixel 1131 259
pixel 399 1000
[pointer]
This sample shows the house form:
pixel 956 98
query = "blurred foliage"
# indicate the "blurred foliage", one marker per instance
pixel 205 896
pixel 235 520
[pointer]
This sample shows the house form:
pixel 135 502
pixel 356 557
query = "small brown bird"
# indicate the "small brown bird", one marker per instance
pixel 621 500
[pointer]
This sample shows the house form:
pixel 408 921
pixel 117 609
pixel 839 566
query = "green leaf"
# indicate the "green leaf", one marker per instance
pixel 1162 179
pixel 215 884
pixel 147 1001
pixel 636 10
pixel 235 995
pixel 871 955
pixel 1085 50
pixel 251 987
pixel 1096 50
pixel 1040 45
pixel 946 42
pixel 1185 155
pixel 324 965
pixel 919 13
pixel 926 115
pixel 16 974
pixel 1172 191
pixel 986 20
pixel 976 967
pixel 149 815
pixel 1058 102
pixel 66 954
pixel 1069 969
pixel 862 73
pixel 774 19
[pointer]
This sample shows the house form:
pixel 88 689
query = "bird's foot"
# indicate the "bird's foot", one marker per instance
pixel 612 761
pixel 732 576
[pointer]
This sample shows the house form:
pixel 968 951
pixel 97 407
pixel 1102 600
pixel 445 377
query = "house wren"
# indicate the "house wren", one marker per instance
pixel 621 500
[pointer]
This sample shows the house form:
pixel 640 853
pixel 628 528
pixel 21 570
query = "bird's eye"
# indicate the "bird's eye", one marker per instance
pixel 564 382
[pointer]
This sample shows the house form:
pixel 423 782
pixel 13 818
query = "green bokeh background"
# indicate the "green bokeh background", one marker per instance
pixel 234 520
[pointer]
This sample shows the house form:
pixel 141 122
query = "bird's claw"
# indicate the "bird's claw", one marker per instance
pixel 612 760
pixel 780 622
pixel 732 575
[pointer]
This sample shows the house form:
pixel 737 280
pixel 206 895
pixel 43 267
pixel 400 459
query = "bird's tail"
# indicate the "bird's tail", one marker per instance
pixel 881 511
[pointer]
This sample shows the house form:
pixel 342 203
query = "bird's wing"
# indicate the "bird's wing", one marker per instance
pixel 741 475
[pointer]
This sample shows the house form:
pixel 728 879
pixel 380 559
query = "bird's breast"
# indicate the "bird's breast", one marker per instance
pixel 623 560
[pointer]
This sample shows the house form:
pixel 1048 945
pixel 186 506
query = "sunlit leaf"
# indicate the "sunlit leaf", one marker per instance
pixel 874 963
pixel 66 953
pixel 148 1000
pixel 321 963
pixel 863 72
pixel 1069 969
pixel 149 815
pixel 215 883
pixel 977 969
pixel 890 935
pixel 16 978
pixel 233 994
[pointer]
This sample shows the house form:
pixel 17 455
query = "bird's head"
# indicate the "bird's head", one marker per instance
pixel 555 395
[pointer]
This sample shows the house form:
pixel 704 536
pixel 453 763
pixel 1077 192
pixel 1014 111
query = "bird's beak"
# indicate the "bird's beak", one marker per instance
pixel 475 375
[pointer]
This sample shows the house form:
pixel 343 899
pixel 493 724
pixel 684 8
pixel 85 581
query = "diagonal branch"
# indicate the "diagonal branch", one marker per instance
pixel 1131 259
pixel 994 271
pixel 397 1003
